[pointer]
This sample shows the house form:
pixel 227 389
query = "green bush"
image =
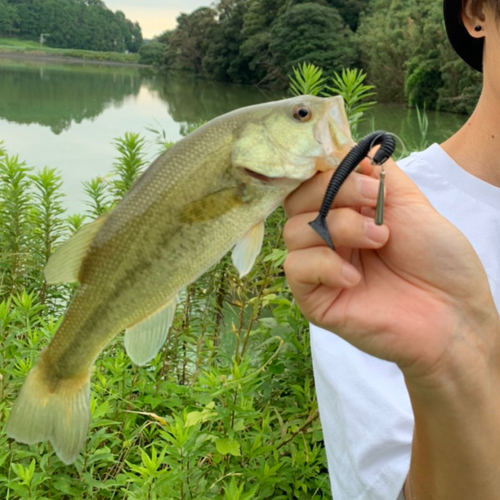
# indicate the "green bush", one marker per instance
pixel 225 411
pixel 152 53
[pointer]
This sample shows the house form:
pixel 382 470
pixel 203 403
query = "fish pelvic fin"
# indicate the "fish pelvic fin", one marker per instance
pixel 64 265
pixel 145 339
pixel 50 409
pixel 248 248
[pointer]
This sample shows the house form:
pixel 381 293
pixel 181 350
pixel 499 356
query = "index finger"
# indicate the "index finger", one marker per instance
pixel 358 190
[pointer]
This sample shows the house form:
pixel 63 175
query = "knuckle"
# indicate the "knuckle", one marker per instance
pixel 290 230
pixel 290 263
pixel 288 205
pixel 343 222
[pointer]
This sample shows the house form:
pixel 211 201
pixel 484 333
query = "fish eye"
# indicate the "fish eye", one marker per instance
pixel 302 113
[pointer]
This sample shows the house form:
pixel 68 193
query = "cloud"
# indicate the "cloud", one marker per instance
pixel 155 16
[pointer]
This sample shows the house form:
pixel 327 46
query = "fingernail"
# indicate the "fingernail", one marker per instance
pixel 350 274
pixel 377 234
pixel 367 187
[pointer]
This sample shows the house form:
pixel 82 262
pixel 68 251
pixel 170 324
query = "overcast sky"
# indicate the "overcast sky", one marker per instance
pixel 155 16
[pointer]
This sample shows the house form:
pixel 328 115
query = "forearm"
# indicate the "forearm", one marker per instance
pixel 456 445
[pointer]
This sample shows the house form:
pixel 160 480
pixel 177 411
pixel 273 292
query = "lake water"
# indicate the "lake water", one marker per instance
pixel 67 115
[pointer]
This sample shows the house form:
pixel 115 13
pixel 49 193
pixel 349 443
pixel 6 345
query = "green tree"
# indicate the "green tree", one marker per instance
pixel 350 10
pixel 81 24
pixel 256 32
pixel 152 53
pixel 223 60
pixel 9 18
pixel 187 43
pixel 313 33
pixel 405 52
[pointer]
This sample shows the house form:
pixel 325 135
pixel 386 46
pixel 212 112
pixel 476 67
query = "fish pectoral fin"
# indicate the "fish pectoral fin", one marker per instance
pixel 248 248
pixel 143 340
pixel 64 265
pixel 212 206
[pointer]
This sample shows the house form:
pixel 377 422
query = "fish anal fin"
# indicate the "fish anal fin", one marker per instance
pixel 212 206
pixel 145 339
pixel 248 248
pixel 64 265
pixel 59 413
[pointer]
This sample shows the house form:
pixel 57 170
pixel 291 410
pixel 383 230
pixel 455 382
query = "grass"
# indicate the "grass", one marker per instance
pixel 30 47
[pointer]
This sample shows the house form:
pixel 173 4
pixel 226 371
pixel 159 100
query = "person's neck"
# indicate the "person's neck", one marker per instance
pixel 476 146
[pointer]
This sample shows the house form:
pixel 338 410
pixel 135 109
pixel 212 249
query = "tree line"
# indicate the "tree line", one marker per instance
pixel 400 44
pixel 70 24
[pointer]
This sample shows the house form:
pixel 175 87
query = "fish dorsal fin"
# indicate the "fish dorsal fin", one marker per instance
pixel 143 340
pixel 212 206
pixel 64 265
pixel 248 248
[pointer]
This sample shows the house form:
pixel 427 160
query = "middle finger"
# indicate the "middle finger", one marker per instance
pixel 347 227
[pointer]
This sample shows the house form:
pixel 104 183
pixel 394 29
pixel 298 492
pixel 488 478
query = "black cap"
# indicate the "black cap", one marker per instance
pixel 470 49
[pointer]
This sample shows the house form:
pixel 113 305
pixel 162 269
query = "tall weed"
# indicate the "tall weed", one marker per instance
pixel 225 411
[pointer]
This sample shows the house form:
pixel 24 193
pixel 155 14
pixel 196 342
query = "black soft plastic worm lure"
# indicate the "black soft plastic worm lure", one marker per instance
pixel 387 144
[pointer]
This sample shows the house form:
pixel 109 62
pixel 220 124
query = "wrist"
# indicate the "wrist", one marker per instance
pixel 469 355
pixel 456 443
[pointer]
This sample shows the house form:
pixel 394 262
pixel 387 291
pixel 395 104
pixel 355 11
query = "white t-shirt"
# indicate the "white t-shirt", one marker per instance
pixel 364 406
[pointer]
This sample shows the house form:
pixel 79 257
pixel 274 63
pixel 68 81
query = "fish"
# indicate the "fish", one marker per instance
pixel 210 193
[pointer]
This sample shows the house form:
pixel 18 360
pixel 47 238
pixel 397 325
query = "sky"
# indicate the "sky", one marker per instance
pixel 155 16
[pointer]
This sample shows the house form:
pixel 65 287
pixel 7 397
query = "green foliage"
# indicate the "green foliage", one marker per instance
pixel 71 24
pixel 225 411
pixel 152 53
pixel 187 43
pixel 400 44
pixel 104 192
pixel 423 80
pixel 406 54
pixel 350 10
pixel 350 85
pixel 313 33
pixel 32 225
pixel 128 165
pixel 307 79
pixel 260 41
pixel 222 59
pixel 9 19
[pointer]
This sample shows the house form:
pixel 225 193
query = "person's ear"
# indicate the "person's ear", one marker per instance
pixel 474 18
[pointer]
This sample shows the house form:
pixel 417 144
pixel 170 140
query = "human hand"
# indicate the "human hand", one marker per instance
pixel 416 293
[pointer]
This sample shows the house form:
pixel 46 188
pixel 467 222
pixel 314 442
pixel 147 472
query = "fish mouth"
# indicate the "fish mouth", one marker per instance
pixel 261 178
pixel 256 175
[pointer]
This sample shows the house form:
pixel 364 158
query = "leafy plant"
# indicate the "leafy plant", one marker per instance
pixel 307 79
pixel 225 411
pixel 350 85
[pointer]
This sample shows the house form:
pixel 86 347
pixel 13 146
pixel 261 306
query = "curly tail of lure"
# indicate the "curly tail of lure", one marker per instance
pixel 387 144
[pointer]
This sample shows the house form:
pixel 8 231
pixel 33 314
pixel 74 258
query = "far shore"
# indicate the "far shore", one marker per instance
pixel 43 56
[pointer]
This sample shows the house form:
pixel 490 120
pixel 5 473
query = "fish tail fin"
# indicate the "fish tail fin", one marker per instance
pixel 57 410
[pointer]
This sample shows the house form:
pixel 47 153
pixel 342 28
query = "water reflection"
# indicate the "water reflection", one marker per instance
pixel 58 95
pixel 192 100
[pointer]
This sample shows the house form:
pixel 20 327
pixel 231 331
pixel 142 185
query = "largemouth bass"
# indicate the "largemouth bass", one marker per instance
pixel 210 192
